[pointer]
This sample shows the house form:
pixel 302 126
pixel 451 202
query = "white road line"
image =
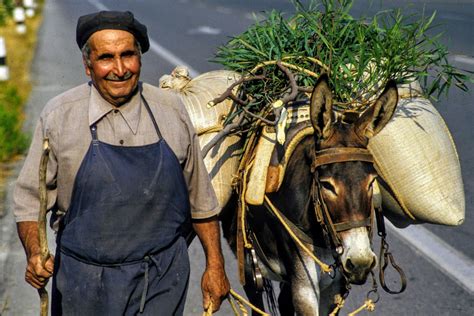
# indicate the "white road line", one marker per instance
pixel 456 265
pixel 170 57
pixel 205 29
pixel 156 47
pixel 463 59
pixel 99 5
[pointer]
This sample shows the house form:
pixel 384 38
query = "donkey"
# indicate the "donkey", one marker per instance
pixel 331 168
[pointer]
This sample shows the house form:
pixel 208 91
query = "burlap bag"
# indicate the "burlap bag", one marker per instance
pixel 416 157
pixel 222 161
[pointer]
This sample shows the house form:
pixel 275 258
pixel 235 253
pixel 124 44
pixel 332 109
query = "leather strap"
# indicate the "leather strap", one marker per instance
pixel 340 154
pixel 339 227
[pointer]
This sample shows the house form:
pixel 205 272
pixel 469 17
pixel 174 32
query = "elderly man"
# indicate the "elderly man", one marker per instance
pixel 125 181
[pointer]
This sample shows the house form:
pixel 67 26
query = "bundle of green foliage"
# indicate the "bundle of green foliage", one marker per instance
pixel 359 54
pixel 6 8
pixel 12 140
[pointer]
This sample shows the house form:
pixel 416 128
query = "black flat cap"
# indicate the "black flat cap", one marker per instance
pixel 115 20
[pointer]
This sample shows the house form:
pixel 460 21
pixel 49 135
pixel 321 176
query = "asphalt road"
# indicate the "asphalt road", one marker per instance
pixel 188 31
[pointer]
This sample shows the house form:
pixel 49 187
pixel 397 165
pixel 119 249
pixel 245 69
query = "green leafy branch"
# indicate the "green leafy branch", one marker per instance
pixel 360 55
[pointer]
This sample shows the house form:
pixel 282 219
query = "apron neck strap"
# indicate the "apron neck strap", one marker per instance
pixel 151 115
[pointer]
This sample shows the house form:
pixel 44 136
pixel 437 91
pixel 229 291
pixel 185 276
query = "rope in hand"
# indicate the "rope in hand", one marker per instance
pixel 43 194
pixel 241 302
pixel 369 305
pixel 339 301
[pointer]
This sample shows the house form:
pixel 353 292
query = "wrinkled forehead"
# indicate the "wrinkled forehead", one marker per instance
pixel 109 37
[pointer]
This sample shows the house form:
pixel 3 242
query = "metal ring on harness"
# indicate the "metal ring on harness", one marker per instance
pixel 386 257
pixel 255 272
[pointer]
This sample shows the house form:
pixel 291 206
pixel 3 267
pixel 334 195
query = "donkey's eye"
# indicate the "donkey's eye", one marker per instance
pixel 328 186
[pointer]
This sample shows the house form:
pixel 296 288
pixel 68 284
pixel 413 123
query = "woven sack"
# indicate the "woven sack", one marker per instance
pixel 222 161
pixel 416 157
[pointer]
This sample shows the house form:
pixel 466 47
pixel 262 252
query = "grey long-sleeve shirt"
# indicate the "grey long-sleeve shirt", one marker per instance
pixel 66 119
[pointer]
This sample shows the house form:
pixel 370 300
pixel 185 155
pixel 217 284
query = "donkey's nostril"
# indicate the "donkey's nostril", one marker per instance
pixel 349 265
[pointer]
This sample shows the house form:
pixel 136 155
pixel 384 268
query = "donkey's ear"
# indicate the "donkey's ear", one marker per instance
pixel 377 116
pixel 321 106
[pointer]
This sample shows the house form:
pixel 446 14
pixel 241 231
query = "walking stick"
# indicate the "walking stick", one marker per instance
pixel 44 251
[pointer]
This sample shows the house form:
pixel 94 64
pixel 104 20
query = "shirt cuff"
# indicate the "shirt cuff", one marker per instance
pixel 206 214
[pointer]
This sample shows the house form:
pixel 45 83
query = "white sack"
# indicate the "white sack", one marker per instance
pixel 222 161
pixel 416 156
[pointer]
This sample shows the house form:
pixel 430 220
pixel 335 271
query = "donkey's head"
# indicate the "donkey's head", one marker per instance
pixel 345 174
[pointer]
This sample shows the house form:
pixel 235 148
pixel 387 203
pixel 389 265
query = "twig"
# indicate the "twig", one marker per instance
pixel 293 84
pixel 305 89
pixel 258 117
pixel 228 93
pixel 295 67
pixel 224 132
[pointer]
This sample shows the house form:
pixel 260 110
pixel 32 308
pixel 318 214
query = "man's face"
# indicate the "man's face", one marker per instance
pixel 114 65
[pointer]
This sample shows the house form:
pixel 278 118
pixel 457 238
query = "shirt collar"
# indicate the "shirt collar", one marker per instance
pixel 99 107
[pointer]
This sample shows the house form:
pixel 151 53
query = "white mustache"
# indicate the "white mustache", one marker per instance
pixel 113 77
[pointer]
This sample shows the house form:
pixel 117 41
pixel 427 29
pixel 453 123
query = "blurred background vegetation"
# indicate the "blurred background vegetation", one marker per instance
pixel 15 91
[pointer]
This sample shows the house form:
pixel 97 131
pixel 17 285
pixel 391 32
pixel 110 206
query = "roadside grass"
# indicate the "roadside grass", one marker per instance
pixel 13 95
pixel 15 92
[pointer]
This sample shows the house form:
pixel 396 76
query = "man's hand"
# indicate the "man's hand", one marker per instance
pixel 215 285
pixel 36 273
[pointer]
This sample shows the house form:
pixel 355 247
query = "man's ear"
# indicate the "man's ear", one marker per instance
pixel 86 67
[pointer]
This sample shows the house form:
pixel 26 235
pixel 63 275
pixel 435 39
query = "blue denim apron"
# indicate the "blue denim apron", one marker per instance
pixel 121 249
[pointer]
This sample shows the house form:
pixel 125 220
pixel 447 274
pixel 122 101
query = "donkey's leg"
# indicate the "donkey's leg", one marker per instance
pixel 331 289
pixel 285 303
pixel 305 285
pixel 255 297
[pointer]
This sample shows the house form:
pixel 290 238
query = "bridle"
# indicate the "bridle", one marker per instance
pixel 331 229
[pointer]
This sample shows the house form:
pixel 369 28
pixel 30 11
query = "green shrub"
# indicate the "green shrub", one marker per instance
pixel 6 7
pixel 359 54
pixel 12 140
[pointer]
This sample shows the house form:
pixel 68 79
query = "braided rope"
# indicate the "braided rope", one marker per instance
pixel 339 301
pixel 369 305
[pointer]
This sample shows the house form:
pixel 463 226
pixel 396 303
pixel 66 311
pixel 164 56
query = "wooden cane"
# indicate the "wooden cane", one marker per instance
pixel 44 251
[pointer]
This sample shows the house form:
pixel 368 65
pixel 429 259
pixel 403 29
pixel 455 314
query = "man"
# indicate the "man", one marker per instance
pixel 125 176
